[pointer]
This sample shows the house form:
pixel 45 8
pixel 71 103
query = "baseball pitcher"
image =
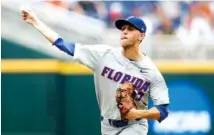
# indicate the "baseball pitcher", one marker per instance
pixel 124 77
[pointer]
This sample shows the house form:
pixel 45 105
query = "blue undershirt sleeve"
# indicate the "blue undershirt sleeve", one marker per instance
pixel 67 47
pixel 163 111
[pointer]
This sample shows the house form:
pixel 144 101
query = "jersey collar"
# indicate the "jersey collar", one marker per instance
pixel 124 61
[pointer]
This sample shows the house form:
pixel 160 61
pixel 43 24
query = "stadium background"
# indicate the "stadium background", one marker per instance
pixel 43 93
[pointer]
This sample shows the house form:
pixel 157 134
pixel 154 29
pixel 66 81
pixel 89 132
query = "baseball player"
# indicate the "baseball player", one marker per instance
pixel 117 70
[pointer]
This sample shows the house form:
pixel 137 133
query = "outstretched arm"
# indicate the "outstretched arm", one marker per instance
pixel 31 18
pixel 88 55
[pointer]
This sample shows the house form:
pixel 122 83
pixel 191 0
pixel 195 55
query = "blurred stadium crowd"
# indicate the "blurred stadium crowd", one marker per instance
pixel 175 29
pixel 164 17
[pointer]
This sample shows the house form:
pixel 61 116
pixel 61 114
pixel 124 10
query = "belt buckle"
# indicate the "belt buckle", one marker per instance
pixel 111 122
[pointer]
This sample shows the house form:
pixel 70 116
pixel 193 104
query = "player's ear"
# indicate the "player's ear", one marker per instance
pixel 142 35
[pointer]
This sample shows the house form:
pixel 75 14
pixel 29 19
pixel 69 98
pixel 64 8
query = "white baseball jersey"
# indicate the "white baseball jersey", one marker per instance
pixel 111 69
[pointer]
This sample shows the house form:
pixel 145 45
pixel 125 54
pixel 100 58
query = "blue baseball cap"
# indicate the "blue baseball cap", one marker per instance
pixel 133 21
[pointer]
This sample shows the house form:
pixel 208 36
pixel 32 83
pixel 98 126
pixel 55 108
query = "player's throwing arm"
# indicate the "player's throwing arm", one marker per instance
pixel 31 18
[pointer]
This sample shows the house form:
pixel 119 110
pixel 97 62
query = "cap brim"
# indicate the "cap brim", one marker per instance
pixel 119 24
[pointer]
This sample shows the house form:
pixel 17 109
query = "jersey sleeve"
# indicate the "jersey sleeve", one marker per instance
pixel 159 90
pixel 88 55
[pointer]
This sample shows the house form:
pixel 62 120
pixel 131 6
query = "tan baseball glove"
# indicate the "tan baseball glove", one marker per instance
pixel 124 98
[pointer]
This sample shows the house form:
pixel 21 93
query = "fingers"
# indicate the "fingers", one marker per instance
pixel 25 12
pixel 24 15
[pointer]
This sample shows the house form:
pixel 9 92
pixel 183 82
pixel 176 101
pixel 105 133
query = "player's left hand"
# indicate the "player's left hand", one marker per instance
pixel 133 114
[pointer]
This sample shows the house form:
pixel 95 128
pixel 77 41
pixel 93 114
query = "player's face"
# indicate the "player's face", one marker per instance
pixel 130 36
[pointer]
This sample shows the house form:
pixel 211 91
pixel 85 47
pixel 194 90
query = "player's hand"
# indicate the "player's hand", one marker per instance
pixel 133 114
pixel 28 15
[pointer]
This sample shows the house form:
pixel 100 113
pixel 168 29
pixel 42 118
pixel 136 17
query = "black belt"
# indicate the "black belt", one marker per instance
pixel 117 123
